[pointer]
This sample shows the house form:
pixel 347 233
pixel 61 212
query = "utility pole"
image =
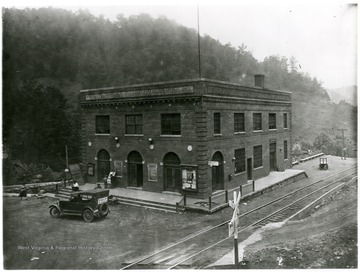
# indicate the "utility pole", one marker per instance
pixel 67 171
pixel 66 157
pixel 199 41
pixel 343 138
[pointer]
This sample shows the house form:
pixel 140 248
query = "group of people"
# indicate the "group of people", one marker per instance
pixel 75 186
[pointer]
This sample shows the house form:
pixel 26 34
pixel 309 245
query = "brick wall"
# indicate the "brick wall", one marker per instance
pixel 197 130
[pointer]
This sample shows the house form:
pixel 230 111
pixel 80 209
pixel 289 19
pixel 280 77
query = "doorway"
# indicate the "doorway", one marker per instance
pixel 103 164
pixel 272 156
pixel 172 173
pixel 249 169
pixel 218 172
pixel 135 169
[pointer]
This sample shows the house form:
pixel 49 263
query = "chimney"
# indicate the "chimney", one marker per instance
pixel 259 80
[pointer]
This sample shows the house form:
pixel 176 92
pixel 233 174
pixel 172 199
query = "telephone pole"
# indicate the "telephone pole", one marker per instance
pixel 198 25
pixel 343 138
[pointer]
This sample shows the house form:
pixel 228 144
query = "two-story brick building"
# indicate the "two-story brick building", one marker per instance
pixel 193 137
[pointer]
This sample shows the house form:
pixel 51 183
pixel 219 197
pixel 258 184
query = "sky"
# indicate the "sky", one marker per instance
pixel 321 35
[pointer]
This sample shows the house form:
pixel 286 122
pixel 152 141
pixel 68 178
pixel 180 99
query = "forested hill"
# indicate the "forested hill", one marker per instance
pixel 49 54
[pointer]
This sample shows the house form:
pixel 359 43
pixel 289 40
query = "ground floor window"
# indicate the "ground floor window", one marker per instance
pixel 239 160
pixel 285 150
pixel 258 156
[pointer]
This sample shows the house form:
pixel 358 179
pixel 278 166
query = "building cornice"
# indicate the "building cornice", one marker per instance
pixel 140 100
pixel 237 100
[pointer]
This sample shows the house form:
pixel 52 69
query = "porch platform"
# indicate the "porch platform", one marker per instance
pixel 174 202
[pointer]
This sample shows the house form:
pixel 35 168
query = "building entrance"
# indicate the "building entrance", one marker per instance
pixel 103 164
pixel 272 156
pixel 218 172
pixel 172 173
pixel 135 169
pixel 249 169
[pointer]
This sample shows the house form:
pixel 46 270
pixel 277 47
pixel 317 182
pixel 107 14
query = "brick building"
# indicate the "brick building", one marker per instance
pixel 193 137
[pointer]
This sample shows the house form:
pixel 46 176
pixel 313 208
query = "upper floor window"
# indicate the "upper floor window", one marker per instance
pixel 217 123
pixel 257 121
pixel 239 122
pixel 171 124
pixel 272 120
pixel 285 120
pixel 102 124
pixel 133 124
pixel 239 160
pixel 258 156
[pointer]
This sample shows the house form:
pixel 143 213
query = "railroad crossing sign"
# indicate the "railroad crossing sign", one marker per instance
pixel 233 224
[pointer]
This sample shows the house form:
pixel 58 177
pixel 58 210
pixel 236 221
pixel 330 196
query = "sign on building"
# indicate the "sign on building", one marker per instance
pixel 152 171
pixel 189 179
pixel 118 168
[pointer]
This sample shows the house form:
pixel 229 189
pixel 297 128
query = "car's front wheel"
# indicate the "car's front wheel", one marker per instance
pixel 88 215
pixel 54 212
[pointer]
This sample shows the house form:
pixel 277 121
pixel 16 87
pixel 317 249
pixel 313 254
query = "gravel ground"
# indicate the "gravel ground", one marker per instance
pixel 326 239
pixel 33 240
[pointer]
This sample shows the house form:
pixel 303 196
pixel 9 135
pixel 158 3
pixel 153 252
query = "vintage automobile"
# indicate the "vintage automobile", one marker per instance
pixel 88 204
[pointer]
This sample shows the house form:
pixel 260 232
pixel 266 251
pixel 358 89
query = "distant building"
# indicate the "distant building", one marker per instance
pixel 193 137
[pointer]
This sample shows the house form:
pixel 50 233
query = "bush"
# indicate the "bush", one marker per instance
pixel 16 172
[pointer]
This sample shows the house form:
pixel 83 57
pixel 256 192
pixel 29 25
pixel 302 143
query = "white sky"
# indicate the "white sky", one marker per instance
pixel 321 36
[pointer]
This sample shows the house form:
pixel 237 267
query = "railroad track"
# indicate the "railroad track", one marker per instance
pixel 186 253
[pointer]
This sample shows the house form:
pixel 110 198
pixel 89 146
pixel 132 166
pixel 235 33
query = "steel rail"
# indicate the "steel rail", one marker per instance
pixel 226 222
pixel 261 220
pixel 297 201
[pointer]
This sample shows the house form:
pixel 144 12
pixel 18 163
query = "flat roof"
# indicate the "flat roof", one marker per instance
pixel 184 81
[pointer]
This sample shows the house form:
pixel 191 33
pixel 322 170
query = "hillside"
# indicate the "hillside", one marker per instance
pixel 347 93
pixel 53 53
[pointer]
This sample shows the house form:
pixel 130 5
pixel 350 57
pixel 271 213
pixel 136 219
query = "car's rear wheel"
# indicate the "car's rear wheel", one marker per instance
pixel 88 216
pixel 54 212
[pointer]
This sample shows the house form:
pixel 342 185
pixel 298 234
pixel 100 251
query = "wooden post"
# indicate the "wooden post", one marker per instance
pixel 209 202
pixel 236 246
pixel 226 196
pixel 184 200
pixel 67 159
